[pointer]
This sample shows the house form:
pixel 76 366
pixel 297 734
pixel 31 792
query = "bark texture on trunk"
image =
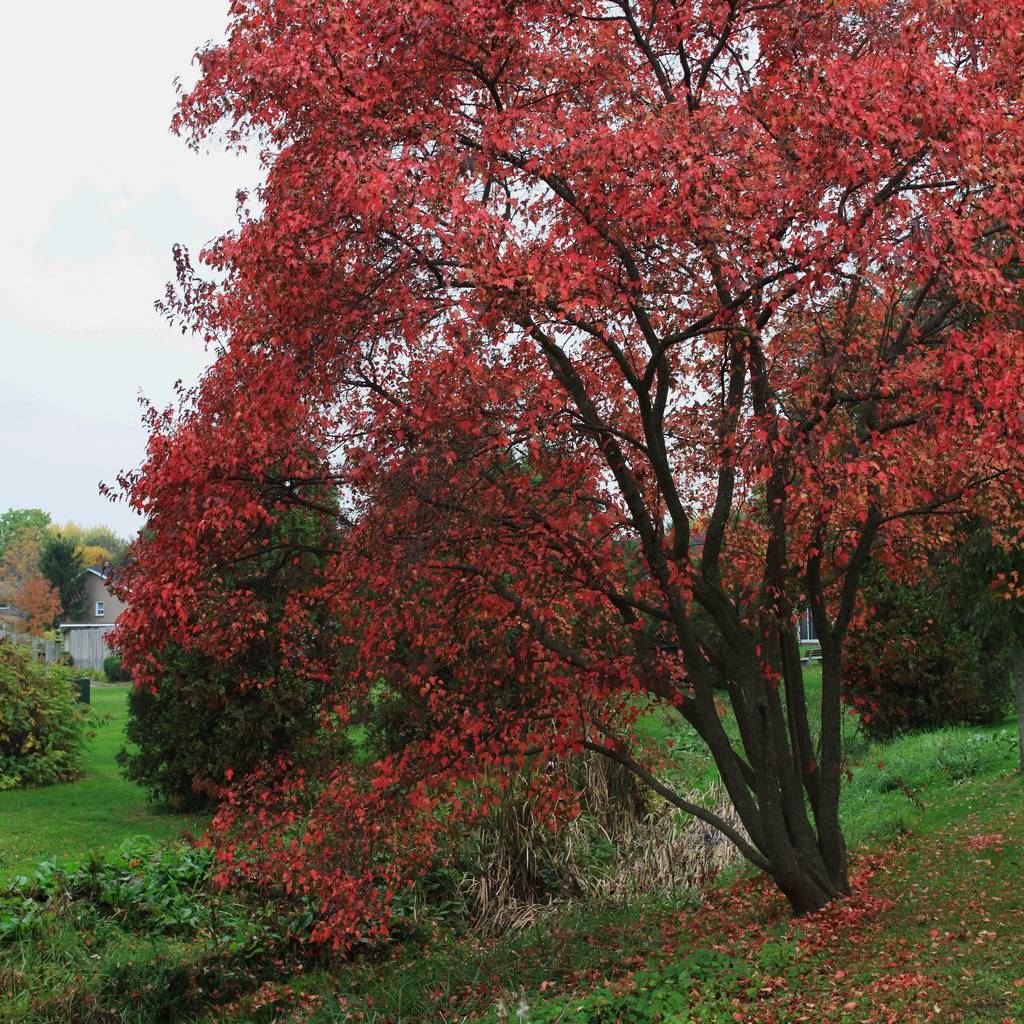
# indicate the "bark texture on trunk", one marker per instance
pixel 800 856
pixel 789 806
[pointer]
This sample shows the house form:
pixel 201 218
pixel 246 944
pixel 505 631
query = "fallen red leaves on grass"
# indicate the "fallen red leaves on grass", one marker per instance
pixel 987 842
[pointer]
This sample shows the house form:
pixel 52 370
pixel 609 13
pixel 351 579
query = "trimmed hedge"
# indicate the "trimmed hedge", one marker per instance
pixel 113 671
pixel 42 725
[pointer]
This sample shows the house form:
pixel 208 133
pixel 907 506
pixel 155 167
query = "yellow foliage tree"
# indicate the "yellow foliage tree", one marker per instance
pixel 19 563
pixel 94 555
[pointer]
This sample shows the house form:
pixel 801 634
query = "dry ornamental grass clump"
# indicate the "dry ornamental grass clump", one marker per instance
pixel 625 844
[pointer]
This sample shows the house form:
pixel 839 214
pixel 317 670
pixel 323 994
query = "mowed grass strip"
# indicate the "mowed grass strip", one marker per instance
pixel 96 814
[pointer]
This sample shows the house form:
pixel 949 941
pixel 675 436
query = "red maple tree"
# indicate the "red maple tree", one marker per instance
pixel 624 329
pixel 39 603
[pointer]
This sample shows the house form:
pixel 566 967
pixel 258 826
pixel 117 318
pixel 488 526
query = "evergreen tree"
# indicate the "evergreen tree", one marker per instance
pixel 60 561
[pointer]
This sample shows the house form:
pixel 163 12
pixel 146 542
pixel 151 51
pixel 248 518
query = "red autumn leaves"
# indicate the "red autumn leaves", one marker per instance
pixel 620 332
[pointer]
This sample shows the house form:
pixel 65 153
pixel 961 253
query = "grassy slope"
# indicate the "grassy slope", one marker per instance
pixel 936 919
pixel 94 814
pixel 933 930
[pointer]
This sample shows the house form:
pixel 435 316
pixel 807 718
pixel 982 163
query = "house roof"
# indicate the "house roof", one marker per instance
pixel 106 573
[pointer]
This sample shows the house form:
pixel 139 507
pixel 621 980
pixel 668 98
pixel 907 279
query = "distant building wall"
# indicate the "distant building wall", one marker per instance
pixel 98 598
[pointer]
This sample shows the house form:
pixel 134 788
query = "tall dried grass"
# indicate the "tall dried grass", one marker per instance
pixel 627 843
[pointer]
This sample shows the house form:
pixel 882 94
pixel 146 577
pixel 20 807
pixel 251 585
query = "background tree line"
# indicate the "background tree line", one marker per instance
pixel 42 566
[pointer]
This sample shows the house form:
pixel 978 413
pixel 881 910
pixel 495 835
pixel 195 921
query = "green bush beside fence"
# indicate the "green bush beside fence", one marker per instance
pixel 42 725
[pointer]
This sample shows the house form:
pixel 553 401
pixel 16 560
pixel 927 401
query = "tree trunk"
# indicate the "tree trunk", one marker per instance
pixel 802 869
pixel 784 790
pixel 1018 679
pixel 806 860
pixel 807 894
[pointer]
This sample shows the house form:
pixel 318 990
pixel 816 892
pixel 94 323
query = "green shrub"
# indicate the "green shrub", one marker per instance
pixel 42 726
pixel 208 715
pixel 916 660
pixel 113 671
pixel 200 728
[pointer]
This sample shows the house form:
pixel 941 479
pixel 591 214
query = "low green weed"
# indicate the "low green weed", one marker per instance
pixel 694 988
pixel 142 936
pixel 145 886
pixel 891 783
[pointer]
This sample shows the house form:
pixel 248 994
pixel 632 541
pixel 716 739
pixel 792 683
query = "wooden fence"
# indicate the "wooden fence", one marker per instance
pixel 48 650
pixel 86 645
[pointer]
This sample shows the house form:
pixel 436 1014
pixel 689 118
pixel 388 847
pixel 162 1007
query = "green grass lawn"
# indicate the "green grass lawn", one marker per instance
pixel 95 814
pixel 932 931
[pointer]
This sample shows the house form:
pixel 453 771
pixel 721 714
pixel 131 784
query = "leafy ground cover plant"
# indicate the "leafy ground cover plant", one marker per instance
pixel 161 890
pixel 142 936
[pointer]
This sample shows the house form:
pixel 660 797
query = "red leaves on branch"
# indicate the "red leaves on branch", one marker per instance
pixel 618 333
pixel 352 845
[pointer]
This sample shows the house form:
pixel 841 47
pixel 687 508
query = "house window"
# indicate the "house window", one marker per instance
pixel 100 610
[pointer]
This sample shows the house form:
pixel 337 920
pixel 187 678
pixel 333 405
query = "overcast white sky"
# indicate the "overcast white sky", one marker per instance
pixel 94 191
